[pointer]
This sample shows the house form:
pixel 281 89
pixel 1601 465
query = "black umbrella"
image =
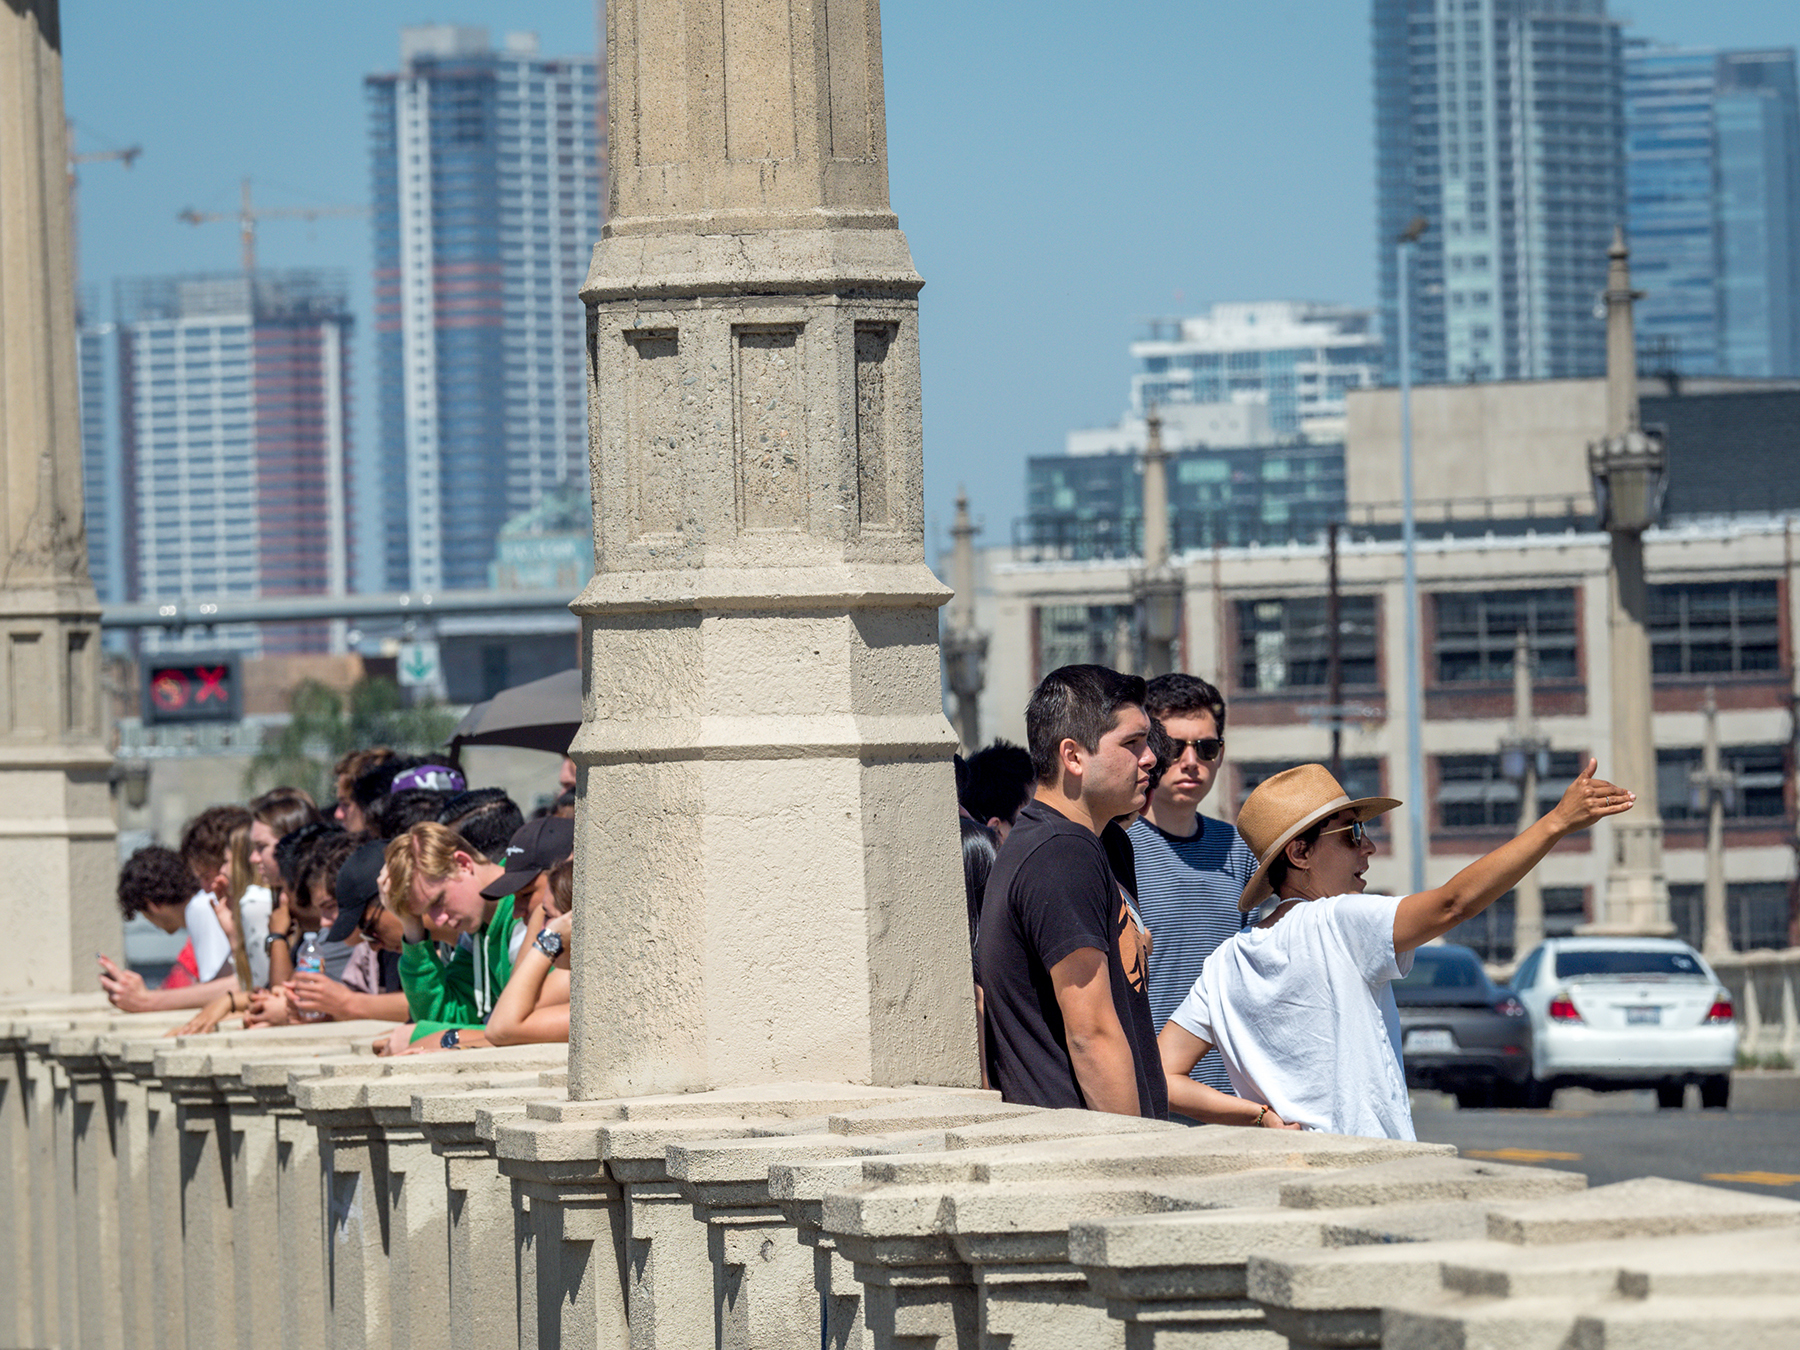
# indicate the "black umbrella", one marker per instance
pixel 542 715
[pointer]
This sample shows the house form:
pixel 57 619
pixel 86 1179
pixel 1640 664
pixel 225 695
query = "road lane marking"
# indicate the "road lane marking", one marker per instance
pixel 1757 1178
pixel 1525 1155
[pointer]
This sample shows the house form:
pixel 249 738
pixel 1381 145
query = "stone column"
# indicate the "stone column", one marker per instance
pixel 1713 783
pixel 1526 744
pixel 56 823
pixel 769 882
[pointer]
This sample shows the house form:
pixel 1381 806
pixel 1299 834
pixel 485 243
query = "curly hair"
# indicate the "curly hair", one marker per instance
pixel 154 875
pixel 206 839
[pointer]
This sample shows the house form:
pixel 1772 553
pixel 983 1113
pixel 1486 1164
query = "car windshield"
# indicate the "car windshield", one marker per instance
pixel 1572 965
pixel 1443 975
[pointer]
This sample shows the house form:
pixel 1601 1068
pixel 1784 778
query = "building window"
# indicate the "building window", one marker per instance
pixel 1360 778
pixel 1285 644
pixel 1476 632
pixel 1758 792
pixel 1474 794
pixel 1726 627
pixel 1074 635
pixel 1490 933
pixel 1756 914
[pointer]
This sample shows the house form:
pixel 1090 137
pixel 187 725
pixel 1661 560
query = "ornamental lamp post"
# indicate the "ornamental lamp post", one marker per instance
pixel 965 648
pixel 1158 586
pixel 1629 465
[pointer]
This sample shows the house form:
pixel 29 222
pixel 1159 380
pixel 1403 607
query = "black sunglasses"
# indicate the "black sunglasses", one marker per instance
pixel 1207 747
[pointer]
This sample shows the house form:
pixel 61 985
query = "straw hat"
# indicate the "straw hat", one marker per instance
pixel 1288 805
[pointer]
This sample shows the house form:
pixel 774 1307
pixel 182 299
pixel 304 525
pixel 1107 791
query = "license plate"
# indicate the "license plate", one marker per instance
pixel 1643 1017
pixel 1429 1043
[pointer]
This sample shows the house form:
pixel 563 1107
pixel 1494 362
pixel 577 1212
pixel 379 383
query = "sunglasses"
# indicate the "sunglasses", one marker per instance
pixel 1358 832
pixel 1208 748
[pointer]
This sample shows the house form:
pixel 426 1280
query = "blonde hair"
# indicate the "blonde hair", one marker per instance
pixel 428 850
pixel 237 862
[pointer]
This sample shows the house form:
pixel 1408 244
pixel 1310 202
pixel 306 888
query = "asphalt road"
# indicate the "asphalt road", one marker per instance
pixel 1620 1135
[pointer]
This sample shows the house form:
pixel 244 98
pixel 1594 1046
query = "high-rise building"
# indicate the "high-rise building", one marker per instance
pixel 1298 359
pixel 97 368
pixel 1500 122
pixel 486 201
pixel 229 476
pixel 1713 181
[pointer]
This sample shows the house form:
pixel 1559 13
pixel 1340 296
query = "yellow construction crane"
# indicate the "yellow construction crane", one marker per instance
pixel 126 157
pixel 249 213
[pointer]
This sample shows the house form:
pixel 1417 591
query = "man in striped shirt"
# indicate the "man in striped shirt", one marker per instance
pixel 1191 869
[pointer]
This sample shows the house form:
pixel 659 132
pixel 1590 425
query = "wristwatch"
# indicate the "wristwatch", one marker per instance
pixel 450 1039
pixel 270 939
pixel 550 944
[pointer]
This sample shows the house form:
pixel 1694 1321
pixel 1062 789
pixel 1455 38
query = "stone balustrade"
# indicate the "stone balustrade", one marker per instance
pixel 1765 991
pixel 286 1188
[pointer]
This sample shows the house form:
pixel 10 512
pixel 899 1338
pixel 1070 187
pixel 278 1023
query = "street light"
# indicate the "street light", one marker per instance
pixel 1415 731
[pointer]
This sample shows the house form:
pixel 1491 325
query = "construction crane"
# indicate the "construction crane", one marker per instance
pixel 249 213
pixel 126 157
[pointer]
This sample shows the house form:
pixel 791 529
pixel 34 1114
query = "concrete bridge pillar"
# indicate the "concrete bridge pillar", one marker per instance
pixel 766 858
pixel 56 823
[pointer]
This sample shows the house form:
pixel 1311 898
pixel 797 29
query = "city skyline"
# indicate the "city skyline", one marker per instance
pixel 1020 216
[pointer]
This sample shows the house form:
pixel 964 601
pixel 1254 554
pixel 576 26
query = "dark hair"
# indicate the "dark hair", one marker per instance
pixel 319 864
pixel 979 847
pixel 352 764
pixel 284 810
pixel 486 817
pixel 998 782
pixel 562 886
pixel 154 875
pixel 1181 695
pixel 206 839
pixel 378 780
pixel 1278 869
pixel 291 849
pixel 1164 750
pixel 391 816
pixel 1075 703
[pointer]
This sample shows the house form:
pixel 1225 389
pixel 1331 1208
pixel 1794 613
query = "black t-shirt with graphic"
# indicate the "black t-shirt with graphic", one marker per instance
pixel 1056 887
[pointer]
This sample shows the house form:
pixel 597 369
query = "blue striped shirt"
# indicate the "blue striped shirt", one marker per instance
pixel 1188 891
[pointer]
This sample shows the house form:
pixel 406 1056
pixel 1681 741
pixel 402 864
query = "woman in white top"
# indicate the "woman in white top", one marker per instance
pixel 1300 1006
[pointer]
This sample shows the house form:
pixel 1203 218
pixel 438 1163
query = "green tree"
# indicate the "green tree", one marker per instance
pixel 323 724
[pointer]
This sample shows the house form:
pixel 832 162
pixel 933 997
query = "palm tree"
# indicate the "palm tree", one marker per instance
pixel 323 724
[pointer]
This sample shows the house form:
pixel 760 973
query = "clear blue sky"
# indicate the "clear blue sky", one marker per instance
pixel 1061 170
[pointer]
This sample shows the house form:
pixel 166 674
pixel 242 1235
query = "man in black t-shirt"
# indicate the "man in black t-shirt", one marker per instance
pixel 1062 958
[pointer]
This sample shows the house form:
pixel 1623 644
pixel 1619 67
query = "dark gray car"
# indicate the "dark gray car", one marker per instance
pixel 1460 1032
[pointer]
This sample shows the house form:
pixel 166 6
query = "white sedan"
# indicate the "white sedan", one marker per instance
pixel 1612 1013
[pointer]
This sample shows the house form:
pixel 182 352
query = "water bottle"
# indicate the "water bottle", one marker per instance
pixel 310 957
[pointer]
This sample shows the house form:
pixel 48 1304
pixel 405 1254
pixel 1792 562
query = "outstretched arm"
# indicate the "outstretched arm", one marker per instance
pixel 1435 912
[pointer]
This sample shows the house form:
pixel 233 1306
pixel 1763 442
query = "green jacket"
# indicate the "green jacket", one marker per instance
pixel 458 991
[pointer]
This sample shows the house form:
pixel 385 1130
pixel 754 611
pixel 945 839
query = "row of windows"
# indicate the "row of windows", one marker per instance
pixel 1713 628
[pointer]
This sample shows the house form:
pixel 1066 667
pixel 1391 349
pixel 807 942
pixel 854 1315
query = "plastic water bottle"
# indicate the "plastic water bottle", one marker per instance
pixel 311 956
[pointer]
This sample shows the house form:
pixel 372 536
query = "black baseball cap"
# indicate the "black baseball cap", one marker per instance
pixel 536 847
pixel 357 888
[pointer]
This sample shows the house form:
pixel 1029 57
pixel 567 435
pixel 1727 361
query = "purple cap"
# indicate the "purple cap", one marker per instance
pixel 434 777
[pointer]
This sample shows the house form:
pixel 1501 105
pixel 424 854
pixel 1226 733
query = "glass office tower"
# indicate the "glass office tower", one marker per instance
pixel 1501 123
pixel 1713 174
pixel 486 197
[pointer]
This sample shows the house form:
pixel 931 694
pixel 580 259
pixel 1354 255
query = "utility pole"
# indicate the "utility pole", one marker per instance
pixel 1523 757
pixel 248 213
pixel 1717 788
pixel 1334 652
pixel 1415 687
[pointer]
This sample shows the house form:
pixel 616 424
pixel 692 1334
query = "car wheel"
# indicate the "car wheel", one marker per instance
pixel 1715 1092
pixel 1473 1099
pixel 1509 1096
pixel 1671 1096
pixel 1538 1093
